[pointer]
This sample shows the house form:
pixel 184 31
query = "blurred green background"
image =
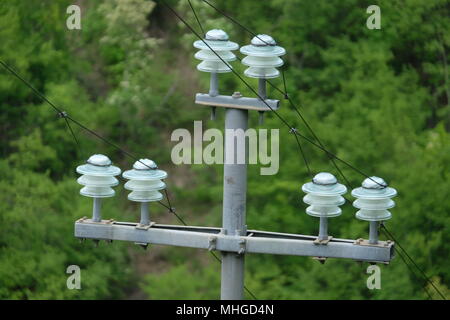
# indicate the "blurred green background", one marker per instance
pixel 377 98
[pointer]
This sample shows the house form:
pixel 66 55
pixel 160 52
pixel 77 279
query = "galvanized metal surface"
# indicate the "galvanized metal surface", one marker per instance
pixel 255 241
pixel 234 207
pixel 236 103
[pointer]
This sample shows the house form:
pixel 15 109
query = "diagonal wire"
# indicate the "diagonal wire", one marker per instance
pixel 196 18
pixel 413 262
pixel 256 93
pixel 415 275
pixel 413 272
pixel 285 94
pixel 235 21
pixel 73 134
pixel 303 155
pixel 64 115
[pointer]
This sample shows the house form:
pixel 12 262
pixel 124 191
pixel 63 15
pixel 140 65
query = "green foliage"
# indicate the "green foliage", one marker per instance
pixel 377 98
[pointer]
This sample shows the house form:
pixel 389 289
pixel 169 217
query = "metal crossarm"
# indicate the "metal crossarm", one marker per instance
pixel 253 242
pixel 233 240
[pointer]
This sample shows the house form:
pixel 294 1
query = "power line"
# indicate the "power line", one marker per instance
pixel 66 116
pixel 413 272
pixel 235 21
pixel 415 275
pixel 286 95
pixel 295 131
pixel 291 128
pixel 195 14
pixel 414 263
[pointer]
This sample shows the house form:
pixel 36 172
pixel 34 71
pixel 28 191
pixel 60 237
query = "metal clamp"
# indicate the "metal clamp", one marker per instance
pixel 212 243
pixel 322 260
pixel 324 241
pixel 88 220
pixel 380 244
pixel 242 246
pixel 145 226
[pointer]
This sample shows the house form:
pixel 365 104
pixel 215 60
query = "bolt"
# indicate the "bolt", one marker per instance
pixel 236 95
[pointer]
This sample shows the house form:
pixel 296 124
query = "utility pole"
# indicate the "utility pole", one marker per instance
pixel 234 206
pixel 233 240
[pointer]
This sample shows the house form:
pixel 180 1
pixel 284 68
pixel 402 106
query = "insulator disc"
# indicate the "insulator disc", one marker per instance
pixel 263 73
pixel 97 181
pixel 262 62
pixel 373 215
pixel 140 185
pixel 214 66
pixel 324 211
pixel 211 56
pixel 323 200
pixel 97 192
pixel 378 204
pixel 145 196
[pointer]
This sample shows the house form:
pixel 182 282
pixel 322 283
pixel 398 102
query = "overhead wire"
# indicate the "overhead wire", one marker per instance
pixel 332 157
pixel 426 278
pixel 67 117
pixel 282 119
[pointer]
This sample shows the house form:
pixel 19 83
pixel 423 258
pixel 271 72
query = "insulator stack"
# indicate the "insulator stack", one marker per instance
pixel 145 181
pixel 217 40
pixel 324 196
pixel 373 200
pixel 98 176
pixel 262 57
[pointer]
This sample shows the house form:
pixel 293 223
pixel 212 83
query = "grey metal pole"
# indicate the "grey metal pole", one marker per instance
pixel 323 228
pixel 96 210
pixel 213 91
pixel 234 206
pixel 145 216
pixel 373 232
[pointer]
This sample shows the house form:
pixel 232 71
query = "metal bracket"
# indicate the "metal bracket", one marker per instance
pixel 212 243
pixel 144 226
pixel 236 102
pixel 379 244
pixel 87 220
pixel 242 246
pixel 322 260
pixel 324 242
pixel 142 244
